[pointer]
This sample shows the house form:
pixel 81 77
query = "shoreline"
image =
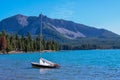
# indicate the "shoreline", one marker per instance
pixel 20 52
pixel 15 52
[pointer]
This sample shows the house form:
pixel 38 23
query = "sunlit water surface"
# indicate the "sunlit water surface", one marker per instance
pixel 74 65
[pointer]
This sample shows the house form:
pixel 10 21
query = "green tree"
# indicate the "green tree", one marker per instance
pixel 9 46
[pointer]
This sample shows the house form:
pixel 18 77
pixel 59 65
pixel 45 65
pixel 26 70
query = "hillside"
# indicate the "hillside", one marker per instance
pixel 52 28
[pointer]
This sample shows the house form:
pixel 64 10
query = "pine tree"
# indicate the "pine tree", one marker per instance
pixel 3 41
pixel 9 47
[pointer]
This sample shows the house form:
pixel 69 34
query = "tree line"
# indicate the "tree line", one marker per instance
pixel 14 42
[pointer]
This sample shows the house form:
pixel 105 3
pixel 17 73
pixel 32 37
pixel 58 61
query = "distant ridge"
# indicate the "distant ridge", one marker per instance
pixel 57 28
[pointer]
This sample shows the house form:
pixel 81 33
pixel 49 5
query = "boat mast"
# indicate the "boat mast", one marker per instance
pixel 40 32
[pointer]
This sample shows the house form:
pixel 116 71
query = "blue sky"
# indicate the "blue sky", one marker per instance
pixel 96 13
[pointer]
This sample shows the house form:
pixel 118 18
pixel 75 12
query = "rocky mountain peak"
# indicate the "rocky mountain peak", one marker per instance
pixel 57 28
pixel 22 20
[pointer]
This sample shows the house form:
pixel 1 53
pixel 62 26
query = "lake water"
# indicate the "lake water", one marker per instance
pixel 75 65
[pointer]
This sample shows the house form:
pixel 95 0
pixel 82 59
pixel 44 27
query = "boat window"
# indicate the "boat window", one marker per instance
pixel 43 61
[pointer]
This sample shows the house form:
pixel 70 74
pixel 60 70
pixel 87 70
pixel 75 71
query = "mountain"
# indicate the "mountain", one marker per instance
pixel 52 28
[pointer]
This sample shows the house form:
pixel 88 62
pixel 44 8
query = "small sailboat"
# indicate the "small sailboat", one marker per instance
pixel 43 63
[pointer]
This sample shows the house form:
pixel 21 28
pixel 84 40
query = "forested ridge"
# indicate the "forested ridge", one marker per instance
pixel 15 42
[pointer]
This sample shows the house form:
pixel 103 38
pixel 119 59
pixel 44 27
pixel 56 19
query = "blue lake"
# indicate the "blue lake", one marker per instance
pixel 75 65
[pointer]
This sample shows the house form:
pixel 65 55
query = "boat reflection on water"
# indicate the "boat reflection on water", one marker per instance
pixel 44 71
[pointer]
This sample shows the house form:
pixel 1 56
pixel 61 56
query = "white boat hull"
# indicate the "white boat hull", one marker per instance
pixel 44 66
